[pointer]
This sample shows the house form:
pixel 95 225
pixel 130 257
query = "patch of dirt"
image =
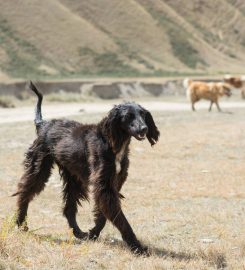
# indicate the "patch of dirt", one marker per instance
pixel 20 114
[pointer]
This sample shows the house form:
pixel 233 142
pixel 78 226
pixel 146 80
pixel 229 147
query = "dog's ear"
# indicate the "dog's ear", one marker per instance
pixel 112 121
pixel 153 132
pixel 112 126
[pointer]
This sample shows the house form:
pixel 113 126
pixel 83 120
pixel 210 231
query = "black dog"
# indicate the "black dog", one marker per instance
pixel 86 155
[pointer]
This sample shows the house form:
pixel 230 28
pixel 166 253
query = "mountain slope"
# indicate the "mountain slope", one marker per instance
pixel 121 38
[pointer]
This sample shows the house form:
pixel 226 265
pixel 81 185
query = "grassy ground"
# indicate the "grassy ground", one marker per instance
pixel 185 199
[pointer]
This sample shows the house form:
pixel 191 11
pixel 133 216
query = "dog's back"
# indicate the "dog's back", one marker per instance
pixel 196 90
pixel 201 90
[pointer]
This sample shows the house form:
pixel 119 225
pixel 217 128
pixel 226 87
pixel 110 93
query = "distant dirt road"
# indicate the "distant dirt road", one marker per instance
pixel 61 110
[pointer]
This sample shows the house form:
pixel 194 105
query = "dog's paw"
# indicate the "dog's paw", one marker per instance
pixel 92 236
pixel 140 250
pixel 23 227
pixel 80 235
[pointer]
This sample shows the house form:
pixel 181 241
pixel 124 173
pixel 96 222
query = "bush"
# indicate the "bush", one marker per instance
pixel 6 102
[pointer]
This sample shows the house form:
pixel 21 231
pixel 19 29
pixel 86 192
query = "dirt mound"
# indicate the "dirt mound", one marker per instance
pixel 99 89
pixel 66 38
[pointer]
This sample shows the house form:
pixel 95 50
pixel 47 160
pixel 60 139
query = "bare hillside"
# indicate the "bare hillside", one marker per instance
pixel 65 38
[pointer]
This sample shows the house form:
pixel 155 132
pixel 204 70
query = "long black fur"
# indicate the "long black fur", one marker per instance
pixel 86 155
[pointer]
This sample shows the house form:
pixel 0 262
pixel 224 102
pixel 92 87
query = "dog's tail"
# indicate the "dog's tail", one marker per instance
pixel 38 113
pixel 186 83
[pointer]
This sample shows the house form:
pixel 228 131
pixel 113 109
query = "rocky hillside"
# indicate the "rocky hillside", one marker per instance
pixel 74 38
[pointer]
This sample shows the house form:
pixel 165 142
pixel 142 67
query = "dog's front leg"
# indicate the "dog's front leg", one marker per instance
pixel 108 201
pixel 218 107
pixel 100 221
pixel 99 218
pixel 193 106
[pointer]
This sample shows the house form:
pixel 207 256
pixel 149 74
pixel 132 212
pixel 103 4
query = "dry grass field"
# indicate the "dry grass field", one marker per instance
pixel 185 199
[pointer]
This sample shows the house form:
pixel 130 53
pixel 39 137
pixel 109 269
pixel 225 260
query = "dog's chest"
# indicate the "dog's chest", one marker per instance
pixel 119 158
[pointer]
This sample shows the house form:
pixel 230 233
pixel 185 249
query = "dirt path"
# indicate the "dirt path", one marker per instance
pixel 62 110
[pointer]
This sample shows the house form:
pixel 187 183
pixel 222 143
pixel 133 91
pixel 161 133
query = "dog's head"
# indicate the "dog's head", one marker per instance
pixel 131 119
pixel 224 89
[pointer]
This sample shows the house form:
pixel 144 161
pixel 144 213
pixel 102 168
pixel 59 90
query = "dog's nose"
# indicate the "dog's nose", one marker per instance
pixel 143 129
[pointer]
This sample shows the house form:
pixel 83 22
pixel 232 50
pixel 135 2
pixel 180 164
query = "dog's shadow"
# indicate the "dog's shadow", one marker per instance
pixel 55 239
pixel 227 112
pixel 112 242
pixel 155 251
pixel 180 256
pixel 219 262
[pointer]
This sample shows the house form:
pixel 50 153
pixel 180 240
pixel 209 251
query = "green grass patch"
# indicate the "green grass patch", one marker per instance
pixel 132 55
pixel 183 49
pixel 106 64
pixel 179 40
pixel 110 65
pixel 24 60
pixel 23 57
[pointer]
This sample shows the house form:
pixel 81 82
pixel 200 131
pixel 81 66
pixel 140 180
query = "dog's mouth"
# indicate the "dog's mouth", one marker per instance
pixel 140 137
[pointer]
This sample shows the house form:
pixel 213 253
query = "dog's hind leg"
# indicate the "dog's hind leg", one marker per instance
pixel 72 193
pixel 210 107
pixel 38 165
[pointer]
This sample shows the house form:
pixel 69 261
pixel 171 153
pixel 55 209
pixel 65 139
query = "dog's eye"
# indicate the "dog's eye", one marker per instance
pixel 142 114
pixel 130 116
